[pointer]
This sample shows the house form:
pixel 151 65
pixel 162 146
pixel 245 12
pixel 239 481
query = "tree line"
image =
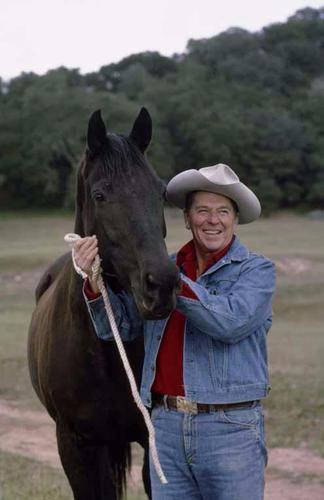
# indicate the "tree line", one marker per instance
pixel 252 100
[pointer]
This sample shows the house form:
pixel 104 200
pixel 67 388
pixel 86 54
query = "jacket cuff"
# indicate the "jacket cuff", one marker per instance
pixel 186 291
pixel 89 293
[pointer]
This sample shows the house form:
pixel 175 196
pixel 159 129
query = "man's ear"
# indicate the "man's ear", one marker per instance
pixel 186 220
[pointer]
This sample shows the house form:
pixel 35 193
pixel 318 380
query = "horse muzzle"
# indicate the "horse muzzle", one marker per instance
pixel 156 297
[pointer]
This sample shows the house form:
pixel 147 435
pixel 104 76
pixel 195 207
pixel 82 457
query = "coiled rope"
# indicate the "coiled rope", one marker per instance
pixel 71 238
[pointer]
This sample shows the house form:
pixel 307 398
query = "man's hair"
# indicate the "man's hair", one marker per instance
pixel 190 198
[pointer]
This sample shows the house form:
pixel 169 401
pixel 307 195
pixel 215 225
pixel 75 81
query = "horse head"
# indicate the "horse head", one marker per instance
pixel 120 199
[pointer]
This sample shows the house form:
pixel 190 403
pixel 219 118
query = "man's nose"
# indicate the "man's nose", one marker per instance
pixel 213 217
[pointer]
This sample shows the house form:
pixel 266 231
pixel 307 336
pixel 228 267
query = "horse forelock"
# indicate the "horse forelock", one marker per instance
pixel 121 157
pixel 118 158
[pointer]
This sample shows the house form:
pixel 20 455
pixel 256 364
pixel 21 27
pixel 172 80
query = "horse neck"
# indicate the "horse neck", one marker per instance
pixel 83 220
pixel 79 225
pixel 70 297
pixel 70 286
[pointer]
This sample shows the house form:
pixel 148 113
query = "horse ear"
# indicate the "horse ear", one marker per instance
pixel 97 134
pixel 141 132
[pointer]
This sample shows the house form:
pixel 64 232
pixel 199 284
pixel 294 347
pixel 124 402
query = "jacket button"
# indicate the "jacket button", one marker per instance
pixel 158 337
pixel 152 368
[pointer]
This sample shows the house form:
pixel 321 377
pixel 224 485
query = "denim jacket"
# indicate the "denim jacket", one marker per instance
pixel 225 353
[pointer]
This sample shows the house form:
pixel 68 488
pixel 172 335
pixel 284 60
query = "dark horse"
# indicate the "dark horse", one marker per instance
pixel 80 379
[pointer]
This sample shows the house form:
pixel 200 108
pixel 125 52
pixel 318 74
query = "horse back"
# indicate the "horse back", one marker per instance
pixel 51 274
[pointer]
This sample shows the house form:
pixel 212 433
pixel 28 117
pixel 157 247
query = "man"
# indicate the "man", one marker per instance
pixel 205 367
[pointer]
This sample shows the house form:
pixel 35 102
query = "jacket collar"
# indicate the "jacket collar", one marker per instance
pixel 237 253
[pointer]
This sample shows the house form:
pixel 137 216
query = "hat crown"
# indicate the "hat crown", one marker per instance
pixel 220 174
pixel 218 179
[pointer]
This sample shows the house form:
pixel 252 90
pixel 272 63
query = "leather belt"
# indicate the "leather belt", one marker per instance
pixel 179 403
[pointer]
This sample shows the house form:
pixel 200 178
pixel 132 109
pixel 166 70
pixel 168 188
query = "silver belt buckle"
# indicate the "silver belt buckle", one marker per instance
pixel 186 406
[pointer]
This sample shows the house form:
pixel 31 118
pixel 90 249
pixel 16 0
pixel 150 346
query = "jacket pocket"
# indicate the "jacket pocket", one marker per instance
pixel 223 285
pixel 157 412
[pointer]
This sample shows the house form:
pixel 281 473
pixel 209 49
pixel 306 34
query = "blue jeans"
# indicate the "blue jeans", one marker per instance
pixel 210 456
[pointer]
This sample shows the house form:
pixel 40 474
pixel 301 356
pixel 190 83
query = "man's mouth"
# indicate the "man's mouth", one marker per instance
pixel 212 232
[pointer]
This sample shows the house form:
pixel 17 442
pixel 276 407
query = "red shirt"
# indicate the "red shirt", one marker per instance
pixel 169 363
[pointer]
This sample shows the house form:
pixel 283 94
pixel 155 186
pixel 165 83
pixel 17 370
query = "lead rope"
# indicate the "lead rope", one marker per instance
pixel 70 238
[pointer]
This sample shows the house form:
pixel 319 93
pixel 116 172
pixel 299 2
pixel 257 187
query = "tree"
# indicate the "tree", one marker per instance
pixel 252 100
pixel 43 126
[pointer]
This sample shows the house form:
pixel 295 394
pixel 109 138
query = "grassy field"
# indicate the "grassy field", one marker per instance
pixel 295 408
pixel 24 479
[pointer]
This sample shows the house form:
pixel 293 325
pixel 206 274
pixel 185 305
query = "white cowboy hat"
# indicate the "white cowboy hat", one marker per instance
pixel 219 179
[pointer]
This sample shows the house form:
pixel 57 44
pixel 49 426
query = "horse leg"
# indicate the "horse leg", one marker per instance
pixel 87 466
pixel 146 473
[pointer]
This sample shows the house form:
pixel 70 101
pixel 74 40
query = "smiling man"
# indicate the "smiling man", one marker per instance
pixel 212 219
pixel 205 368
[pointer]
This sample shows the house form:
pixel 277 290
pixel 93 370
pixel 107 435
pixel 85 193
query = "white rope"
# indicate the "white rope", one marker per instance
pixel 96 273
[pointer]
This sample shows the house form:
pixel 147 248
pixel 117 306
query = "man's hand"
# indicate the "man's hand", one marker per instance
pixel 85 251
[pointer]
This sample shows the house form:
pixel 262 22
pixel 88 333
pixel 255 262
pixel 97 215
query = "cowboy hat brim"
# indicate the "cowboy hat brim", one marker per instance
pixel 192 180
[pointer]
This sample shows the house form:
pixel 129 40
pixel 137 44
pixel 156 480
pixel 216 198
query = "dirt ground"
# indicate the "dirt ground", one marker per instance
pixel 292 474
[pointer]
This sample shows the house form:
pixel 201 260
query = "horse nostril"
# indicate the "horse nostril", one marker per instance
pixel 165 280
pixel 151 281
pixel 157 297
pixel 147 306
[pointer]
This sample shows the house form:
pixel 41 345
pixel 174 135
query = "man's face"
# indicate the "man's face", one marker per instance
pixel 212 220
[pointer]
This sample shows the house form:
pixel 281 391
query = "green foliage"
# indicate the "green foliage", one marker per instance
pixel 43 124
pixel 252 100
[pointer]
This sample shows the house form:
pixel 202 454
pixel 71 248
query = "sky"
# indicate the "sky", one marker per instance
pixel 38 35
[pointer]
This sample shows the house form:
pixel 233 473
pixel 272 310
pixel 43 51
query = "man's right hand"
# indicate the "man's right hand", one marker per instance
pixel 85 251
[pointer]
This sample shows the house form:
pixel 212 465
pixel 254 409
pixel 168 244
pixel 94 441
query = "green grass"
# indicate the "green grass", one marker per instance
pixel 295 408
pixel 25 479
pixel 29 242
pixel 285 234
pixel 14 378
